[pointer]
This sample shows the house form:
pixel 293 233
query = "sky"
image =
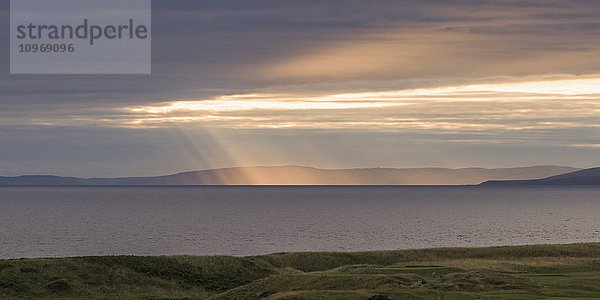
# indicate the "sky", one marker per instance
pixel 330 84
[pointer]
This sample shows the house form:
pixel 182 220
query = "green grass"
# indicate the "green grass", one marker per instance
pixel 519 272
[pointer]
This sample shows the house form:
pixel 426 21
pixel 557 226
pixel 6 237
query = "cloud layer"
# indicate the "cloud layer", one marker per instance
pixel 325 83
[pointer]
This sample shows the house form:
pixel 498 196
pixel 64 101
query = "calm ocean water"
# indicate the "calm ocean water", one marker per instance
pixel 79 221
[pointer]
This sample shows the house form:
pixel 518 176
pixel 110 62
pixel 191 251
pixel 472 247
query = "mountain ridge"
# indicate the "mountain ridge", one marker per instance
pixel 301 175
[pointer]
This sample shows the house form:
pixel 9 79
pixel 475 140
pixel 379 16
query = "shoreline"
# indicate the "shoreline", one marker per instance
pixel 568 243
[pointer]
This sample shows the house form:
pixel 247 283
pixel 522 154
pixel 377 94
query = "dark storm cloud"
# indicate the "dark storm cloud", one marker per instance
pixel 206 48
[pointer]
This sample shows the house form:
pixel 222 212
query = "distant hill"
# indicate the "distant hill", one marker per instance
pixel 581 177
pixel 297 175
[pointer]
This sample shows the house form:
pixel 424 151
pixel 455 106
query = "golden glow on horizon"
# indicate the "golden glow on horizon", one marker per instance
pixel 518 106
pixel 572 102
pixel 530 90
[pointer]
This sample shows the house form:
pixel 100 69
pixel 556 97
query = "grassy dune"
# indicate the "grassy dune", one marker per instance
pixel 517 272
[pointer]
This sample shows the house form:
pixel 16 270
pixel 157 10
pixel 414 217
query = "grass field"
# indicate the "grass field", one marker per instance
pixel 512 272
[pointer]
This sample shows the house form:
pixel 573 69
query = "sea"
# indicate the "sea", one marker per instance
pixel 255 220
